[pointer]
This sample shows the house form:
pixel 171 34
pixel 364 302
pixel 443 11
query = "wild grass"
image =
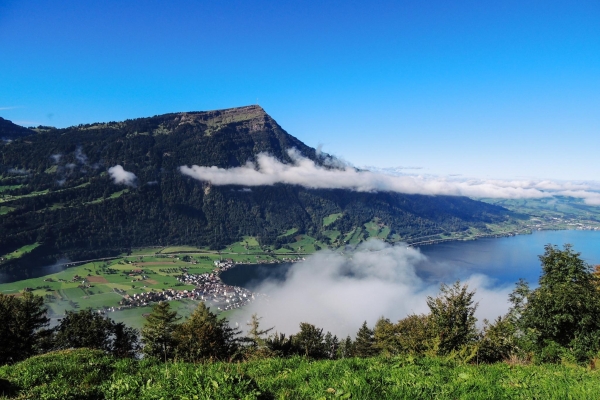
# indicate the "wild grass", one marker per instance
pixel 21 251
pixel 86 374
pixel 330 219
pixel 5 210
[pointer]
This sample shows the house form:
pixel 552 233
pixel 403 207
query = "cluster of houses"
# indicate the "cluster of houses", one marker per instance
pixel 146 298
pixel 209 288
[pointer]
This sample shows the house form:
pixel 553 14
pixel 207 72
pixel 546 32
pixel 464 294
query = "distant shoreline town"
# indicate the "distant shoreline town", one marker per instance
pixel 209 288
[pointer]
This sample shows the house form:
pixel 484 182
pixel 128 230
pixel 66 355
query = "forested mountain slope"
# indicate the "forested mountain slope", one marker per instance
pixel 55 190
pixel 10 131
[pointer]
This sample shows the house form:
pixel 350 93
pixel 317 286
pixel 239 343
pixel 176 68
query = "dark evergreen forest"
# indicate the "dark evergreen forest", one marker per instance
pixel 55 189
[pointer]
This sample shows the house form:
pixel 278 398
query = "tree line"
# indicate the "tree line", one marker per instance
pixel 557 321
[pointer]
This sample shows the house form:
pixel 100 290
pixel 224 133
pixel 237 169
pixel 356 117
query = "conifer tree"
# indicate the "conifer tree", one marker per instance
pixel 255 334
pixel 346 348
pixel 203 337
pixel 31 317
pixel 281 345
pixel 364 345
pixel 157 333
pixel 332 345
pixel 257 345
pixel 125 341
pixel 21 321
pixel 385 338
pixel 310 341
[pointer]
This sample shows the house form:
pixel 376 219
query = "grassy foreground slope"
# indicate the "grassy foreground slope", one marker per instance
pixel 86 374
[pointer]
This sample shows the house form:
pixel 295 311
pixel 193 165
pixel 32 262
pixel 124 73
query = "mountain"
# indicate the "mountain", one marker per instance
pixel 10 131
pixel 56 194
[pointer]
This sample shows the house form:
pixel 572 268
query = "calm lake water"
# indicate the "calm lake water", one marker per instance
pixel 34 272
pixel 505 260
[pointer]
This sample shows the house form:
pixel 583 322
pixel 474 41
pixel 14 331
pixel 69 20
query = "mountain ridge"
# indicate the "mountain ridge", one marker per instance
pixel 56 190
pixel 11 131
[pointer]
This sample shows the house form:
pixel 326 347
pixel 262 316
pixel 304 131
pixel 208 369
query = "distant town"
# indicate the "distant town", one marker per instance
pixel 209 289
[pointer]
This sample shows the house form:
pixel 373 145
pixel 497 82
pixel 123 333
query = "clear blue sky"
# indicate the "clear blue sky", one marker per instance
pixel 480 88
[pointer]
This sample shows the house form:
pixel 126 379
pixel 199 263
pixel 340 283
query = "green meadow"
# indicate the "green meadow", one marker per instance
pixel 90 374
pixel 20 251
pixel 103 284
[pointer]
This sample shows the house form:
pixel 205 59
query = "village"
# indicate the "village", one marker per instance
pixel 209 289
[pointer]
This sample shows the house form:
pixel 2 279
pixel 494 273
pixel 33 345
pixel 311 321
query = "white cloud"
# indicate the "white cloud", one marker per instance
pixel 304 172
pixel 18 171
pixel 338 292
pixel 80 155
pixel 122 177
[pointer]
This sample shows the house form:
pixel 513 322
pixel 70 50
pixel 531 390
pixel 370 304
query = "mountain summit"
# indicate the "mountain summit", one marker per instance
pixel 10 131
pixel 97 189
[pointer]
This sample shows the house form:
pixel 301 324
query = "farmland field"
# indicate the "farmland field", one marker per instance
pixel 102 284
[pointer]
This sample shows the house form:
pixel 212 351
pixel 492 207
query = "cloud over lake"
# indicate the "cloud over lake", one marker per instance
pixel 338 292
pixel 304 172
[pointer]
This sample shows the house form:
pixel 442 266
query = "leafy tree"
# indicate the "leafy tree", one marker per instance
pixel 364 345
pixel 518 299
pixel 158 332
pixel 204 337
pixel 21 323
pixel 414 334
pixel 84 328
pixel 87 328
pixel 498 340
pixel 453 317
pixel 384 335
pixel 564 311
pixel 310 341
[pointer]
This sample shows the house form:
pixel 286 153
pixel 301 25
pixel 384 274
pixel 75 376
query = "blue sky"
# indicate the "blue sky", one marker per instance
pixel 486 89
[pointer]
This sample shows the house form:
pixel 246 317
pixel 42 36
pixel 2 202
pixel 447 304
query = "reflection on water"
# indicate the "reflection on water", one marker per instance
pixel 250 276
pixel 13 276
pixel 505 260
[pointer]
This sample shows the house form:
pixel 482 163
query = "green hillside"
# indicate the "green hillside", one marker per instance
pixel 10 131
pixel 55 191
pixel 87 374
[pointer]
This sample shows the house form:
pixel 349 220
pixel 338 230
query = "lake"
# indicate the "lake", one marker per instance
pixel 505 260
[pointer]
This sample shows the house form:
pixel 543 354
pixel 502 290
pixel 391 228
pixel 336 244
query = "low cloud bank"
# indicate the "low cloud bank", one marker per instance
pixel 18 171
pixel 304 172
pixel 338 292
pixel 80 155
pixel 122 177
